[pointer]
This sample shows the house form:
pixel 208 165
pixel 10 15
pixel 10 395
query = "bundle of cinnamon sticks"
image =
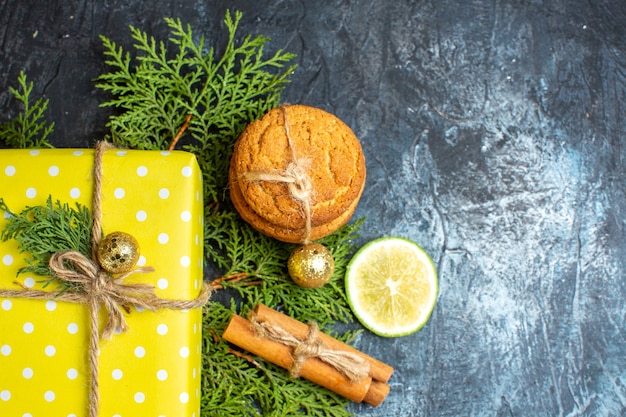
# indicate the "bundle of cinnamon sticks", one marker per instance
pixel 328 362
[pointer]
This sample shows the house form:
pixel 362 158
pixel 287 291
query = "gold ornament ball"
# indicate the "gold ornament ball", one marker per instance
pixel 311 266
pixel 118 252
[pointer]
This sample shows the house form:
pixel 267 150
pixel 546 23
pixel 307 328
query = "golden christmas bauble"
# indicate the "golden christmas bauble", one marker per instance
pixel 118 252
pixel 311 266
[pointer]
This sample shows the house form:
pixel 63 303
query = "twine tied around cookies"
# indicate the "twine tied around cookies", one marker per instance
pixel 99 289
pixel 351 365
pixel 295 176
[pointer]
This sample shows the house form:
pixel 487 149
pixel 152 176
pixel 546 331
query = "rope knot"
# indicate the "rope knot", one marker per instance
pixel 98 284
pixel 299 182
pixel 295 177
pixel 99 289
pixel 349 364
pixel 311 347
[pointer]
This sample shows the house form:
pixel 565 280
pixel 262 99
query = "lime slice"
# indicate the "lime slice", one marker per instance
pixel 391 284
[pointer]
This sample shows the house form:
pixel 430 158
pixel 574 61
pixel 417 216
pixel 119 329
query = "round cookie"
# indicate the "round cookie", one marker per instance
pixel 319 144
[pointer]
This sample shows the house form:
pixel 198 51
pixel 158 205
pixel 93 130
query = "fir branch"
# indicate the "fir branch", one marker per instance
pixel 29 129
pixel 41 231
pixel 160 91
pixel 237 248
pixel 325 305
pixel 234 385
pixel 187 92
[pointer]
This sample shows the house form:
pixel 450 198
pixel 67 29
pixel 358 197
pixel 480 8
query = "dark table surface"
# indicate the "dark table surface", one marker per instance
pixel 495 137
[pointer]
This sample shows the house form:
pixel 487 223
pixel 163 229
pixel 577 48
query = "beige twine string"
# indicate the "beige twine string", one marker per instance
pixel 296 178
pixel 99 289
pixel 351 365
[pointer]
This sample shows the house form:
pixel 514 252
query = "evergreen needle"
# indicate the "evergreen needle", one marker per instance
pixel 181 86
pixel 29 129
pixel 41 231
pixel 179 93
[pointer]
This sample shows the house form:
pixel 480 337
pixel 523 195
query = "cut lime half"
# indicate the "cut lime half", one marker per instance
pixel 391 285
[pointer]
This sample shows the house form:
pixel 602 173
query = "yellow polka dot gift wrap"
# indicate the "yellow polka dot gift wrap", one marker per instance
pixel 153 368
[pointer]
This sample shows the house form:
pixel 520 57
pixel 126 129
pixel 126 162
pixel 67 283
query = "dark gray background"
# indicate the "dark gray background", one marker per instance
pixel 494 137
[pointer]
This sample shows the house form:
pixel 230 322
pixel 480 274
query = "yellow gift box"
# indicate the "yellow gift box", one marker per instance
pixel 153 369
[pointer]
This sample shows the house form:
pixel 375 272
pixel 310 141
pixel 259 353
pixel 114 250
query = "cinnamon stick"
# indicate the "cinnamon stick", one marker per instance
pixel 377 393
pixel 241 333
pixel 371 389
pixel 379 371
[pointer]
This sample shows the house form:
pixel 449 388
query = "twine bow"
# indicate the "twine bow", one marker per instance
pixel 99 289
pixel 295 176
pixel 352 366
pixel 98 286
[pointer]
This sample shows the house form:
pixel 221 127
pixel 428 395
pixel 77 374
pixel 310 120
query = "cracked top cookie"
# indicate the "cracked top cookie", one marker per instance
pixel 297 163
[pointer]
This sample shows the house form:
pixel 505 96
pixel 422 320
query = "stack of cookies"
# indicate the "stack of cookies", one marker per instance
pixel 297 174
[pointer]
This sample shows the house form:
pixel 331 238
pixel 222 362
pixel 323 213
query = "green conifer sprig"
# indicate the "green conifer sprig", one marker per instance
pixel 168 82
pixel 177 89
pixel 29 129
pixel 222 99
pixel 41 231
pixel 265 261
pixel 245 385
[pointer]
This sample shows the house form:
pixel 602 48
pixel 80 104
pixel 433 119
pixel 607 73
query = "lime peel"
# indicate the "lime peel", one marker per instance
pixel 391 286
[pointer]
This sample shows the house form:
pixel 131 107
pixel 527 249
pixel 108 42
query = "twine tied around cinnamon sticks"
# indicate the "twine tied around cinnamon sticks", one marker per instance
pixel 99 289
pixel 301 348
pixel 351 365
pixel 296 178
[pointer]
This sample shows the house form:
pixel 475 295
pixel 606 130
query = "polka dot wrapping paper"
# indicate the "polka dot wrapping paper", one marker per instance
pixel 154 368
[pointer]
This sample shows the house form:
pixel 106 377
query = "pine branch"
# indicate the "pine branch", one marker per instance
pixel 41 231
pixel 179 93
pixel 242 250
pixel 29 129
pixel 234 385
pixel 190 96
pixel 161 90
